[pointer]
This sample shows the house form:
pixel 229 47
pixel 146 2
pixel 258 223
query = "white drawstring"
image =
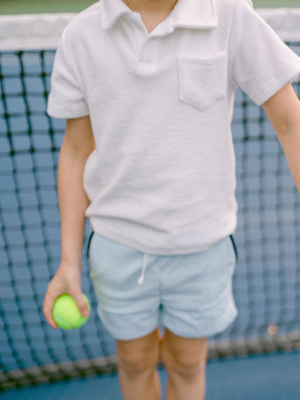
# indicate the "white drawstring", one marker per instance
pixel 141 278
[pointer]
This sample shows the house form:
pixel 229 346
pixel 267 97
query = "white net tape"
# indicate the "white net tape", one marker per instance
pixel 42 31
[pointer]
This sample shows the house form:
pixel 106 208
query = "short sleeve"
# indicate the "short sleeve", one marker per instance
pixel 259 61
pixel 66 98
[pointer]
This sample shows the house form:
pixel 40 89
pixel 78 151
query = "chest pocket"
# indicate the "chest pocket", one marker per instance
pixel 202 81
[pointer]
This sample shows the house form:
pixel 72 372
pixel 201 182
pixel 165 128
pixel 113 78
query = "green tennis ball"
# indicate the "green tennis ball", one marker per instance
pixel 66 314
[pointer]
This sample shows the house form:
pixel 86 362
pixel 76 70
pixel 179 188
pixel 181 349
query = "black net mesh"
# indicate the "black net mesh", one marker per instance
pixel 266 282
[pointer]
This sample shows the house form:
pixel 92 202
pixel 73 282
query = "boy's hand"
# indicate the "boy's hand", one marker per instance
pixel 66 280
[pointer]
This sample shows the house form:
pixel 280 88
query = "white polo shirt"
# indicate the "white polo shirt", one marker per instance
pixel 162 176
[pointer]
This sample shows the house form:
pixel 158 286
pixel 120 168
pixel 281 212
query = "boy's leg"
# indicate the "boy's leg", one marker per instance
pixel 137 361
pixel 197 299
pixel 185 362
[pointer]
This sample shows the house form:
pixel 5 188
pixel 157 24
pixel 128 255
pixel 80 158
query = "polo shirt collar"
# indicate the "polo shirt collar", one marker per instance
pixel 186 13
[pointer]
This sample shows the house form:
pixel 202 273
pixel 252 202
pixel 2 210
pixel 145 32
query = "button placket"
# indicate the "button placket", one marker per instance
pixel 139 31
pixel 145 57
pixel 142 55
pixel 146 65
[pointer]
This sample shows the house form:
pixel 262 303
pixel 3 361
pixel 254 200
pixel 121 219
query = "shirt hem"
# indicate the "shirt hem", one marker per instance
pixel 107 232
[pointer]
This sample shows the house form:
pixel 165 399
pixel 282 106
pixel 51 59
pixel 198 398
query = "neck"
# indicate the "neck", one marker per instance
pixel 151 6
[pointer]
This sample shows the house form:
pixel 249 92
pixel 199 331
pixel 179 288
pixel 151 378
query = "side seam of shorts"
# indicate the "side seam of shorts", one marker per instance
pixel 88 244
pixel 235 247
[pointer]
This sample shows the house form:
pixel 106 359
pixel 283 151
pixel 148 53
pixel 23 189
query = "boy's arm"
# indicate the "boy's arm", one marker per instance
pixel 283 111
pixel 77 145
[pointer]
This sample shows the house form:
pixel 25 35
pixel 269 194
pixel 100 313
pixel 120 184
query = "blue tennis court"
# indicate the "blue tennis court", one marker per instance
pixel 265 377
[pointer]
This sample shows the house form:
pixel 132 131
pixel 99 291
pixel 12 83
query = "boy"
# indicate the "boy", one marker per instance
pixel 147 88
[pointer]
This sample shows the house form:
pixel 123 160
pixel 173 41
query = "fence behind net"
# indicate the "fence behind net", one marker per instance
pixel 266 282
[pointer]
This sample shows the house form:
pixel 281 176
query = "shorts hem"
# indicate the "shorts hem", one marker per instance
pixel 128 335
pixel 131 336
pixel 209 332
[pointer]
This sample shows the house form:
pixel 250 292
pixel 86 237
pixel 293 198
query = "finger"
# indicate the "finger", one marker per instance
pixel 47 309
pixel 83 307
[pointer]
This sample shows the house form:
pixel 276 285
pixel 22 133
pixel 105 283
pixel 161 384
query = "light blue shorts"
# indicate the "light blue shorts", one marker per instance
pixel 190 294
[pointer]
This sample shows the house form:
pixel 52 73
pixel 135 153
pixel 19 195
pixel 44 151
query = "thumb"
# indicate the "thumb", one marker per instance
pixel 81 303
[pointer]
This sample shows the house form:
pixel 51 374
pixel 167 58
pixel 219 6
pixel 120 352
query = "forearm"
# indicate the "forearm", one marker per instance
pixel 72 205
pixel 290 143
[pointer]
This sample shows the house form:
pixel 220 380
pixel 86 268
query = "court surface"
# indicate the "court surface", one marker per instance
pixel 268 377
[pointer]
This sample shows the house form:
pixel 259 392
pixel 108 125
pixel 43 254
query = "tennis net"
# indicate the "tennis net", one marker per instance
pixel 266 282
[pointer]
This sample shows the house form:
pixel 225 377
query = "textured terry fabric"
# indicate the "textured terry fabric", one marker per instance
pixel 190 294
pixel 162 176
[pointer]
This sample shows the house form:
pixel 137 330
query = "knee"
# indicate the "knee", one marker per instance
pixel 188 365
pixel 184 367
pixel 138 361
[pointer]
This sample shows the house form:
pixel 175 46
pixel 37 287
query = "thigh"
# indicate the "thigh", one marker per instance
pixel 196 291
